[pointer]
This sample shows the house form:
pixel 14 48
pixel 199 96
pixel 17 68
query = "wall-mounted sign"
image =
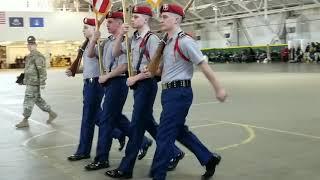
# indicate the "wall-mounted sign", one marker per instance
pixel 36 22
pixel 16 21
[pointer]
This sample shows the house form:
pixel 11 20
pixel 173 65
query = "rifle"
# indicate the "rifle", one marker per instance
pixel 157 58
pixel 76 63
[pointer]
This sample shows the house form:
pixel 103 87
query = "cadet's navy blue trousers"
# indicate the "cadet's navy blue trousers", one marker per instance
pixel 116 92
pixel 92 96
pixel 175 104
pixel 142 120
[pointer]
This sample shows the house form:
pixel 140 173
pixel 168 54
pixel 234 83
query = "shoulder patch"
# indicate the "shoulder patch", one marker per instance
pixel 182 34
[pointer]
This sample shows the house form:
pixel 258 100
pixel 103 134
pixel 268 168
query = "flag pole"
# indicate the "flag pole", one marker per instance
pixel 126 15
pixel 100 8
pixel 98 45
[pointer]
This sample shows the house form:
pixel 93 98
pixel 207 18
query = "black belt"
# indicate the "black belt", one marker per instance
pixel 91 80
pixel 118 77
pixel 113 79
pixel 176 84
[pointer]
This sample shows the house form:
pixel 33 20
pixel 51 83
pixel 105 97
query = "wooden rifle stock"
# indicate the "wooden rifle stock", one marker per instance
pixel 157 58
pixel 76 63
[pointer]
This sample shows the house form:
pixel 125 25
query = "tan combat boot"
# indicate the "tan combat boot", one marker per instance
pixel 52 116
pixel 23 123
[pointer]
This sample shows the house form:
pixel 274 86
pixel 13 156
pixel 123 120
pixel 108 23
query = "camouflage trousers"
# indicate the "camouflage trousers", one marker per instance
pixel 33 96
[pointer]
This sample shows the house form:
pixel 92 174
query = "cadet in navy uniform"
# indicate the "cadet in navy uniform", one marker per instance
pixel 92 96
pixel 115 92
pixel 179 55
pixel 143 46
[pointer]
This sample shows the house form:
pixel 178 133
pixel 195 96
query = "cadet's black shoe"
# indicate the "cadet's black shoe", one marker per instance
pixel 77 157
pixel 211 166
pixel 122 142
pixel 174 161
pixel 118 174
pixel 96 166
pixel 144 150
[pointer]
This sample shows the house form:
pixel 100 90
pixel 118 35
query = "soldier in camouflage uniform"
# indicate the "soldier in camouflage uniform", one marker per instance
pixel 34 79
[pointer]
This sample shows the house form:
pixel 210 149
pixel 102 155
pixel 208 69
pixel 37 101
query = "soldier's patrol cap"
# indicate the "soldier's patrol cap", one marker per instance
pixel 31 40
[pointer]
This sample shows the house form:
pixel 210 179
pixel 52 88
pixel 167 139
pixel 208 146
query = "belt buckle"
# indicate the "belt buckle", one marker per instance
pixel 164 86
pixel 183 84
pixel 91 80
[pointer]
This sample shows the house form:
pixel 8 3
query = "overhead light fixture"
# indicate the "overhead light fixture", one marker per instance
pixel 214 7
pixel 64 7
pixel 5 43
pixel 27 5
pixel 56 42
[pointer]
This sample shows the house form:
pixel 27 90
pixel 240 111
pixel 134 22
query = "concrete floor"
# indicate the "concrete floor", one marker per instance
pixel 268 130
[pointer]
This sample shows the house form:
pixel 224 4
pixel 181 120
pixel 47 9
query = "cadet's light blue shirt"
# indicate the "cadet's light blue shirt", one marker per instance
pixel 107 56
pixel 151 46
pixel 90 66
pixel 174 66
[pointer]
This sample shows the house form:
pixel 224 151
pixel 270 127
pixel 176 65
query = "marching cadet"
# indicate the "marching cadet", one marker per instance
pixel 179 55
pixel 35 75
pixel 143 46
pixel 115 92
pixel 92 96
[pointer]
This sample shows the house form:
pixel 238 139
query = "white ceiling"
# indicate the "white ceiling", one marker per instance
pixel 209 9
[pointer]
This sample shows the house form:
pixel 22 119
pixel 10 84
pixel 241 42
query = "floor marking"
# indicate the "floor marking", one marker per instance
pixel 206 125
pixel 20 116
pixel 25 143
pixel 54 163
pixel 275 130
pixel 250 138
pixel 54 147
pixel 69 134
pixel 246 141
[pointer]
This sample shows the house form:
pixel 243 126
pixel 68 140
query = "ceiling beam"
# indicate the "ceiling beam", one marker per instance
pixel 192 12
pixel 274 11
pixel 265 9
pixel 283 3
pixel 243 6
pixel 204 6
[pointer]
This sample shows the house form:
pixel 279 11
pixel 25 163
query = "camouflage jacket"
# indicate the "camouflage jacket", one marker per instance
pixel 35 72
